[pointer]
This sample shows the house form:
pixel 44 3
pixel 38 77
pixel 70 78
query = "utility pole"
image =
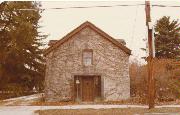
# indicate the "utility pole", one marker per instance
pixel 151 83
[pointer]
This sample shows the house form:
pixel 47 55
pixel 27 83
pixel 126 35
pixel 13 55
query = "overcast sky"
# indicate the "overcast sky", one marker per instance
pixel 126 23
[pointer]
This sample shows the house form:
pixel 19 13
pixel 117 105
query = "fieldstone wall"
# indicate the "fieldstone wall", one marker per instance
pixel 109 61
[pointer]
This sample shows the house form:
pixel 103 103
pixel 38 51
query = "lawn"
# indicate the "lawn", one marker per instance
pixel 126 111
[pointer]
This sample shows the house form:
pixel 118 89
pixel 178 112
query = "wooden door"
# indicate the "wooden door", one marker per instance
pixel 87 89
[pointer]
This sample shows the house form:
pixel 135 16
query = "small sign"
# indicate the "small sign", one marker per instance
pixel 153 44
pixel 34 89
pixel 77 81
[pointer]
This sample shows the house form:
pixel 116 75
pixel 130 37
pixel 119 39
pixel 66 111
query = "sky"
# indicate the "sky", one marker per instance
pixel 126 23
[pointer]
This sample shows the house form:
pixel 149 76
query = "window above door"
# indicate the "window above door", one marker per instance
pixel 87 57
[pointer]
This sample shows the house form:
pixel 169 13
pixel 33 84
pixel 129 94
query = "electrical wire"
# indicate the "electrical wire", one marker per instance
pixel 82 7
pixel 165 6
pixel 134 25
pixel 101 6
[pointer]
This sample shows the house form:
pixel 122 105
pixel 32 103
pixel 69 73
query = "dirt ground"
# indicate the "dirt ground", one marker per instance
pixel 125 111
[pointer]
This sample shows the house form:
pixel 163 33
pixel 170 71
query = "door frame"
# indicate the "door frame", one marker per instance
pixel 78 87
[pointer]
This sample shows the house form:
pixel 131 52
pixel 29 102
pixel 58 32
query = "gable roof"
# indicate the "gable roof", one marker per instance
pixel 78 29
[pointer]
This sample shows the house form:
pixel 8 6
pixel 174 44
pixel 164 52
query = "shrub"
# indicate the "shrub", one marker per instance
pixel 167 82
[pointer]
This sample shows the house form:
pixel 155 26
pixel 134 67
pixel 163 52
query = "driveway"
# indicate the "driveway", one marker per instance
pixel 24 100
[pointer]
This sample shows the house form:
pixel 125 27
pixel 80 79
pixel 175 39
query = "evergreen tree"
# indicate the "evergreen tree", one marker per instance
pixel 167 39
pixel 21 59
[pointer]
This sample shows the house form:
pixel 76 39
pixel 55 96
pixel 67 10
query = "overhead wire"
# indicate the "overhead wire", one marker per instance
pixel 134 25
pixel 82 7
pixel 133 31
pixel 101 6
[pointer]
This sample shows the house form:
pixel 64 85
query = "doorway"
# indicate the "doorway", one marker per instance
pixel 87 88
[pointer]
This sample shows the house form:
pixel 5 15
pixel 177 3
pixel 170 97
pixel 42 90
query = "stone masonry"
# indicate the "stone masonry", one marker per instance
pixel 65 61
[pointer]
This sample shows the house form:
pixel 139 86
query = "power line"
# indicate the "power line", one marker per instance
pixel 101 6
pixel 125 5
pixel 134 25
pixel 165 6
pixel 83 7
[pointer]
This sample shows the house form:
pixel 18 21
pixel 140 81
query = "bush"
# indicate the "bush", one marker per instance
pixel 167 82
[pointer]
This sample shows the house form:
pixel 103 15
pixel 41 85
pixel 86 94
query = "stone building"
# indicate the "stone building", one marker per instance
pixel 87 65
